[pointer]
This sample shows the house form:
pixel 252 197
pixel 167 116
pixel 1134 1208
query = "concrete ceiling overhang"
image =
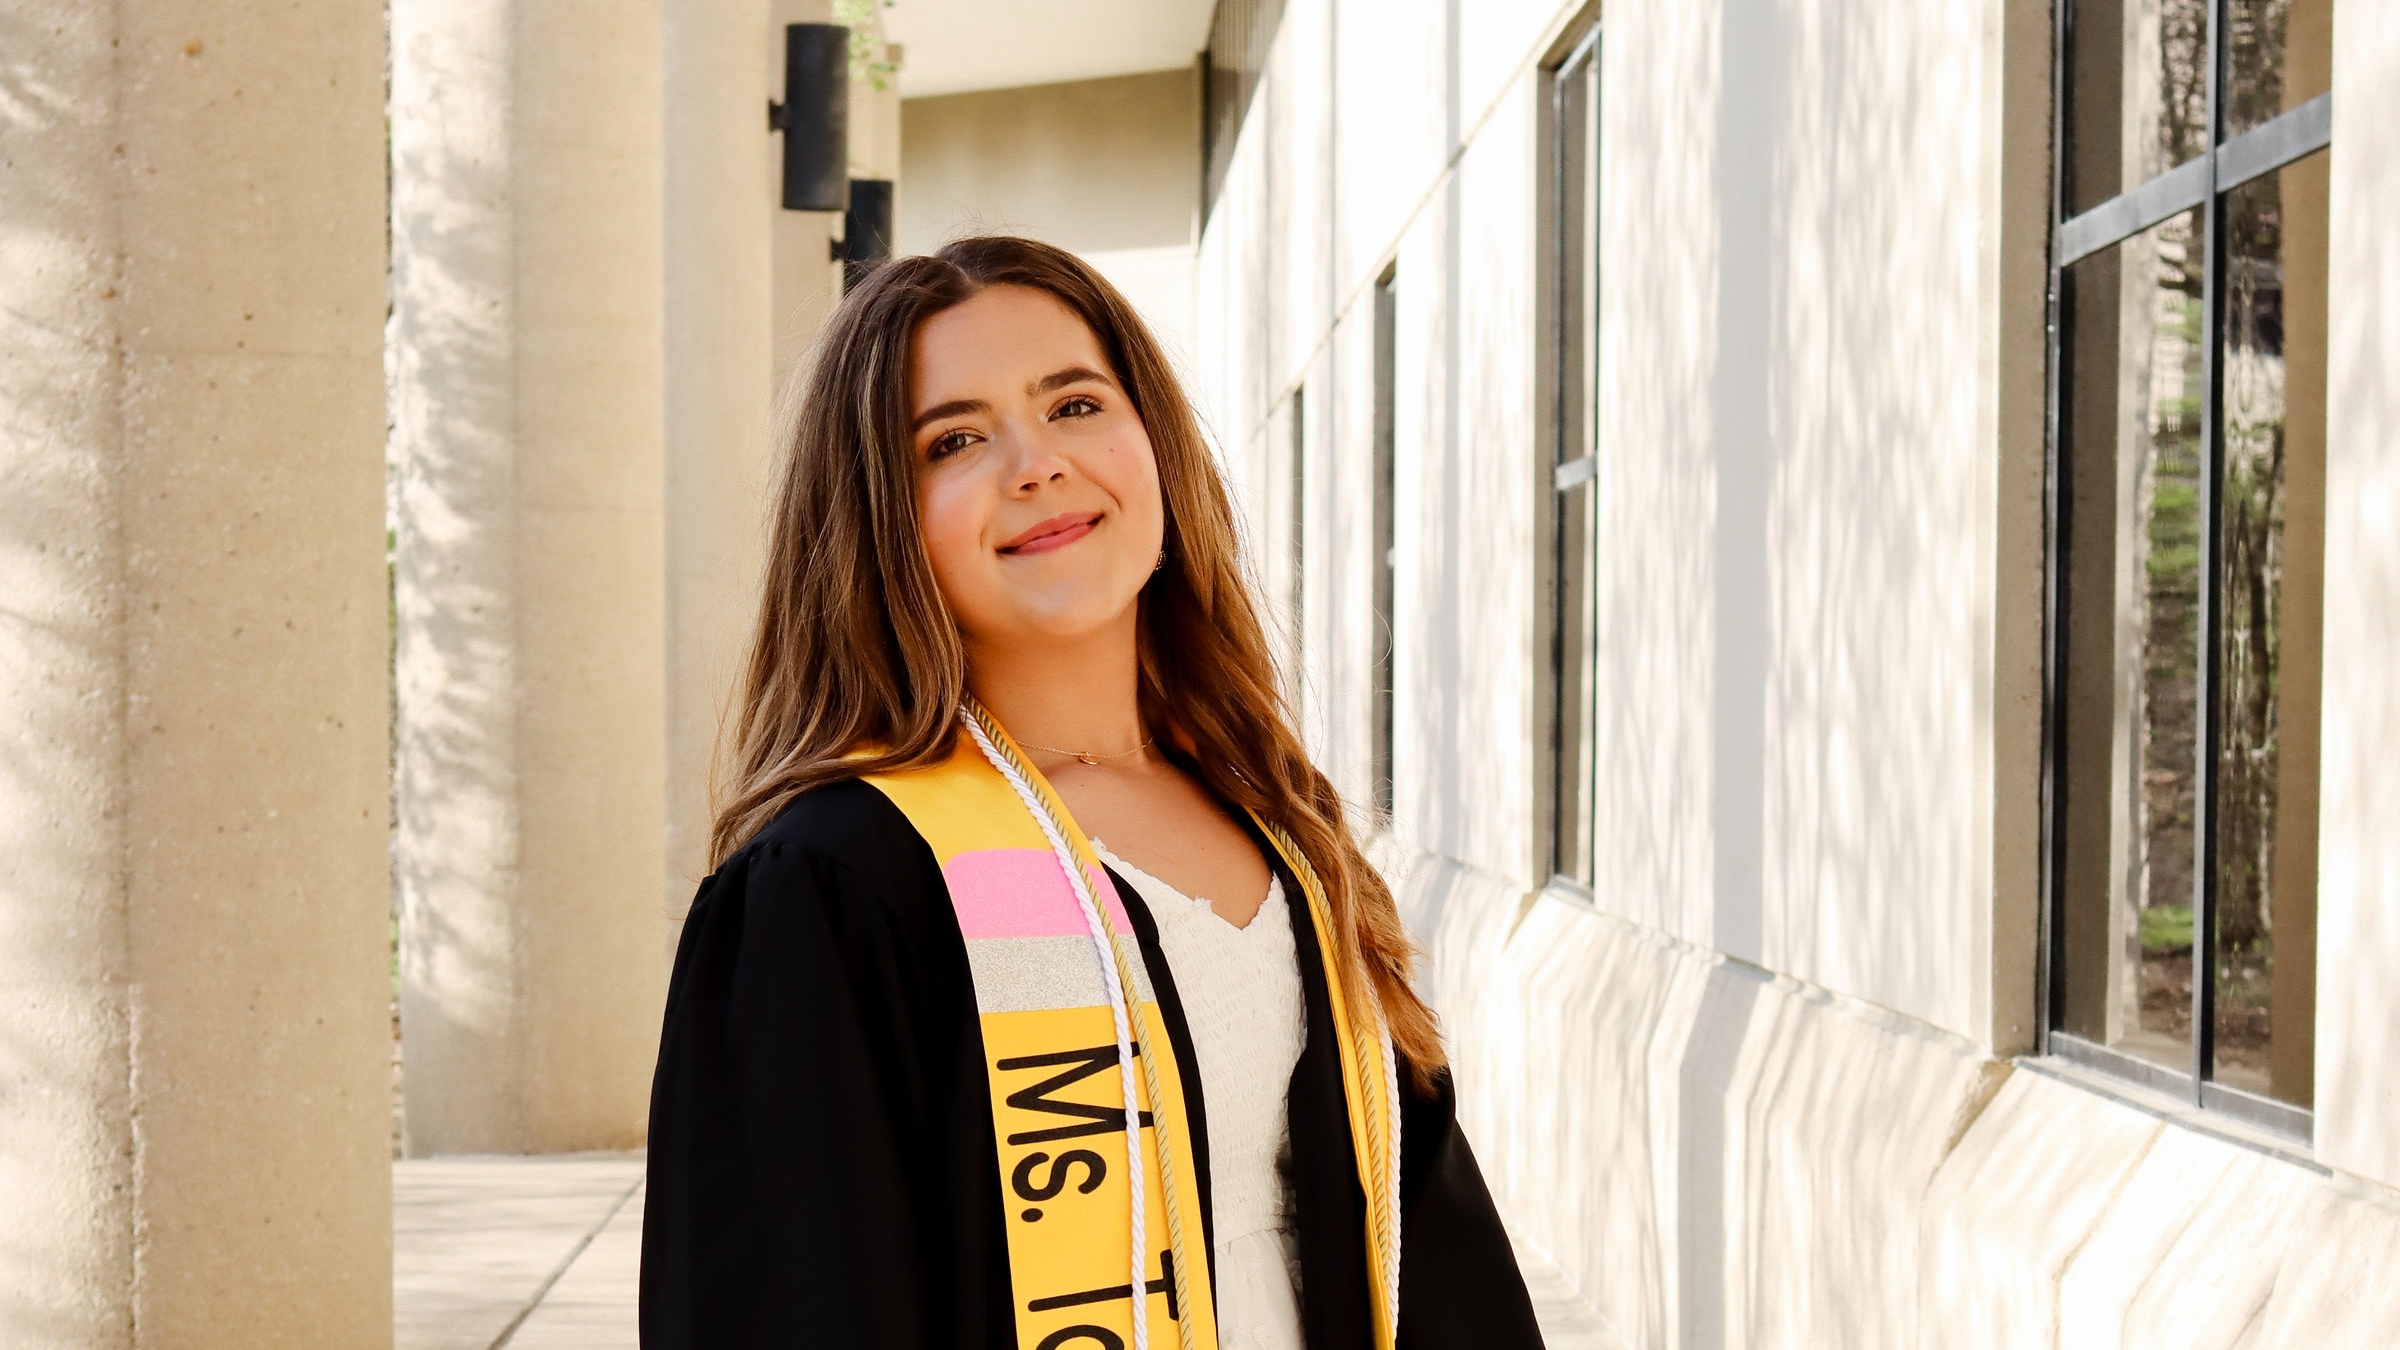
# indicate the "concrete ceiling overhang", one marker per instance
pixel 955 46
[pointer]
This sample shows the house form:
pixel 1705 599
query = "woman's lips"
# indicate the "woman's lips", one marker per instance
pixel 1055 533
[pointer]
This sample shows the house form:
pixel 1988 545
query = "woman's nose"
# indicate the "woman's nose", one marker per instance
pixel 1033 462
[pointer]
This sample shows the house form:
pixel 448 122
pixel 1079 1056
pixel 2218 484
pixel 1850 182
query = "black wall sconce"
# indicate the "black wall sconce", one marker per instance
pixel 866 229
pixel 814 117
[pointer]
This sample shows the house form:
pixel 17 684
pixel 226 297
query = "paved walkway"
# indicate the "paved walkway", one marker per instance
pixel 543 1254
pixel 516 1252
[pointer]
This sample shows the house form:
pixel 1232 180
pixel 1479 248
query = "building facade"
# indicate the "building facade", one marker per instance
pixel 1850 546
pixel 1845 550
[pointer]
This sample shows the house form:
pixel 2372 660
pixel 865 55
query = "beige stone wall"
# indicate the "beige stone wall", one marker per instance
pixel 527 376
pixel 2358 920
pixel 1758 1088
pixel 1095 165
pixel 722 63
pixel 192 872
pixel 1109 168
pixel 748 285
pixel 1822 238
pixel 875 108
pixel 1721 1157
pixel 67 1172
pixel 807 284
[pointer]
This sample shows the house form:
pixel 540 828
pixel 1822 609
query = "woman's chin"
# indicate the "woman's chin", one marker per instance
pixel 1069 625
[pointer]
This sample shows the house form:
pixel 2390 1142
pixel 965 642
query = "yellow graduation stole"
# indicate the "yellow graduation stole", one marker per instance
pixel 1095 1144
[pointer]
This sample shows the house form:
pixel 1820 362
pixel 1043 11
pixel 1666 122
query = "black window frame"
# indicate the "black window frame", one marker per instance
pixel 1296 541
pixel 1384 565
pixel 1232 67
pixel 2203 183
pixel 1568 468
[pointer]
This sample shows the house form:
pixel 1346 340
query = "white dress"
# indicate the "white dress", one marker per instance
pixel 1241 998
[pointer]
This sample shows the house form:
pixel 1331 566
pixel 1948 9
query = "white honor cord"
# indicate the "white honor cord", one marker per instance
pixel 1098 926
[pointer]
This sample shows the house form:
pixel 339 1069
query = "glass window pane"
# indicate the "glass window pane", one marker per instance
pixel 1384 564
pixel 2278 55
pixel 1574 487
pixel 2271 519
pixel 2137 94
pixel 1575 685
pixel 1296 541
pixel 2131 402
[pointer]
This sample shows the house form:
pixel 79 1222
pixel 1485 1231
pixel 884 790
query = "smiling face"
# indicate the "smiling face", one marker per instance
pixel 1036 486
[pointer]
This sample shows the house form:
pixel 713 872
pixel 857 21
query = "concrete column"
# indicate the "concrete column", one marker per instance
pixel 748 285
pixel 875 108
pixel 526 350
pixel 723 62
pixel 2358 915
pixel 807 284
pixel 193 1026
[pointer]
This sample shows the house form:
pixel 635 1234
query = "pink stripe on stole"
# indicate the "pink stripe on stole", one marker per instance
pixel 1019 892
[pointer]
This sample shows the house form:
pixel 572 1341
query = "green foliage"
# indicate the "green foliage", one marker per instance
pixel 868 60
pixel 2166 929
pixel 2170 555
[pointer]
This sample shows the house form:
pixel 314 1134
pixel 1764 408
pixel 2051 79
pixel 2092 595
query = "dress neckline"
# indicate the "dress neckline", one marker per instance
pixel 1138 876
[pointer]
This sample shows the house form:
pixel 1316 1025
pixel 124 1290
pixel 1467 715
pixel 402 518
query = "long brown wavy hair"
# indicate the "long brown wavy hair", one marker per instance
pixel 855 649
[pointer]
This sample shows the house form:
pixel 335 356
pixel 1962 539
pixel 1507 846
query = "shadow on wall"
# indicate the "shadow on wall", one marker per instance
pixel 454 493
pixel 66 1148
pixel 1796 509
pixel 1881 522
pixel 1466 593
pixel 1656 579
pixel 1794 624
pixel 1717 1155
pixel 526 391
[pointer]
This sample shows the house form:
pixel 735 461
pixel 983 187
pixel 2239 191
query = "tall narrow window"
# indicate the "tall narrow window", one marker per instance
pixel 2189 504
pixel 1297 526
pixel 1232 66
pixel 1573 467
pixel 1385 546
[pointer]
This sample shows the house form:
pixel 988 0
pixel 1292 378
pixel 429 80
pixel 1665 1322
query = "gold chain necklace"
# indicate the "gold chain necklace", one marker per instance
pixel 1086 756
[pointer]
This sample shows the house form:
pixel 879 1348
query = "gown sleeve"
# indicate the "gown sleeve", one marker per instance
pixel 1459 1282
pixel 801 1181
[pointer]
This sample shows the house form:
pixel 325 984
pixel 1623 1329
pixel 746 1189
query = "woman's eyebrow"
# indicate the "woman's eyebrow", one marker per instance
pixel 954 408
pixel 1057 379
pixel 1060 379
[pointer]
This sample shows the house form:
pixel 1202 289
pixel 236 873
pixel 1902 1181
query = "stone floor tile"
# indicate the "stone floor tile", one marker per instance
pixel 474 1239
pixel 595 1304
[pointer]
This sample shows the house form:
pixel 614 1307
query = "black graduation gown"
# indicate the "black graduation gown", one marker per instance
pixel 822 1169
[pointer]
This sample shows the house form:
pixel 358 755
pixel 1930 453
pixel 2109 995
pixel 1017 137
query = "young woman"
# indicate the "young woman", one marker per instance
pixel 1041 996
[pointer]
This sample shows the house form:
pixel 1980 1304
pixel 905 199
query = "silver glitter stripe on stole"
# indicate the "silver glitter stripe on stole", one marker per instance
pixel 1033 974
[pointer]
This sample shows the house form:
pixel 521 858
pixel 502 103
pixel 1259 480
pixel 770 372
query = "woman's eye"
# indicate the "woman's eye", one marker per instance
pixel 1078 406
pixel 948 444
